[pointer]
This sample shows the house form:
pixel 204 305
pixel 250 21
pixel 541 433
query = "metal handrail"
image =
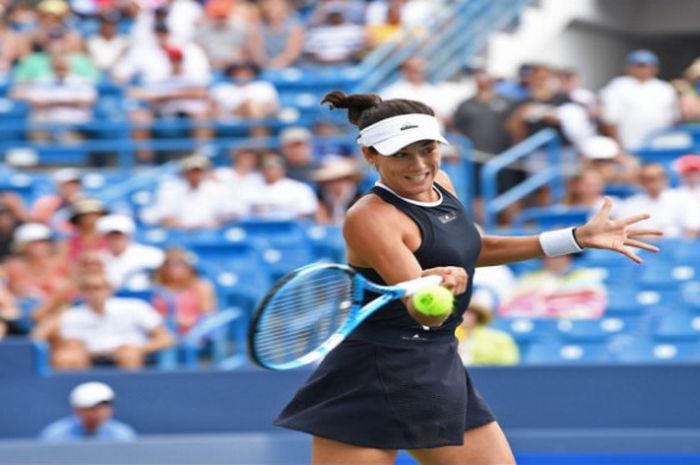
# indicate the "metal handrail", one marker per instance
pixel 552 175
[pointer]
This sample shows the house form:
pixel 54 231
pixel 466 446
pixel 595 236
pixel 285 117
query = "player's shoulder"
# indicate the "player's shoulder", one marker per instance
pixel 370 213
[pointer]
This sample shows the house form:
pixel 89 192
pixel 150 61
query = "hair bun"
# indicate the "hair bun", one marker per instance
pixel 356 104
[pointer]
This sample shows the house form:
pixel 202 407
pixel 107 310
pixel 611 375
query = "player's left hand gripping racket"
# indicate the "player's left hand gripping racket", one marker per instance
pixel 311 310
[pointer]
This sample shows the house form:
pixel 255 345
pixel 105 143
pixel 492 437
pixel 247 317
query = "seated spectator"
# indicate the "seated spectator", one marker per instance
pixel 195 201
pixel 54 209
pixel 127 263
pixel 558 290
pixel 585 190
pixel 190 296
pixel 84 214
pixel 325 134
pixel 53 24
pixel 107 46
pixel 298 152
pixel 9 313
pixel 12 214
pixel 672 213
pixel 244 172
pixel 225 41
pixel 389 28
pixel 92 405
pixel 335 40
pixel 479 344
pixel 338 189
pixel 280 197
pixel 415 14
pixel 604 155
pixel 688 166
pixel 15 45
pixel 636 105
pixel 245 95
pixel 278 38
pixel 62 98
pixel 107 329
pixel 37 269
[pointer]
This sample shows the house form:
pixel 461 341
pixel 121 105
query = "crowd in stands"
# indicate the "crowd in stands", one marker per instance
pixel 65 255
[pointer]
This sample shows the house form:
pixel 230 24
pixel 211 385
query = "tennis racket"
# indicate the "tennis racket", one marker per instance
pixel 312 309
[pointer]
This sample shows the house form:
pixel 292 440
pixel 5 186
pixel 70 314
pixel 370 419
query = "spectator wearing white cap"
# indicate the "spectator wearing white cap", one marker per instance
pixel 296 146
pixel 194 201
pixel 638 104
pixel 604 155
pixel 479 344
pixel 53 209
pixel 127 263
pixel 37 269
pixel 104 329
pixel 92 405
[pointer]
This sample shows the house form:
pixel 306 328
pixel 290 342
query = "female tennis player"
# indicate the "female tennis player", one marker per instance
pixel 397 381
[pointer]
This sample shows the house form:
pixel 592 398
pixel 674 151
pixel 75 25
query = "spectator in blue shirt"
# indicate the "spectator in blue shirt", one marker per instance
pixel 92 419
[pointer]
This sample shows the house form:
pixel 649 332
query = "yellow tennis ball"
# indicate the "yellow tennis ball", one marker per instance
pixel 434 301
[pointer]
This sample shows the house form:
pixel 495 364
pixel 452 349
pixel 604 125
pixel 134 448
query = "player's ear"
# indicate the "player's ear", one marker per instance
pixel 369 154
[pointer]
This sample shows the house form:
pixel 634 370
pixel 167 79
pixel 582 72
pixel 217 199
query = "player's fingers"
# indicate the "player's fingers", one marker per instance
pixel 644 232
pixel 629 254
pixel 635 219
pixel 641 245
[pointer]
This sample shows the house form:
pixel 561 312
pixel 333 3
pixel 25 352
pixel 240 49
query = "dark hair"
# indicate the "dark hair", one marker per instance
pixel 367 109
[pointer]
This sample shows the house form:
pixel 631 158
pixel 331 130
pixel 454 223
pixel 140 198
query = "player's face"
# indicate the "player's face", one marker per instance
pixel 410 172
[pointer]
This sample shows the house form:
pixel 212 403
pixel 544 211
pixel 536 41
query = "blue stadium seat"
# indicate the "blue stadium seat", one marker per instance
pixel 327 243
pixel 648 351
pixel 567 354
pixel 284 258
pixel 599 330
pixel 528 330
pixel 551 217
pixel 677 327
pixel 690 293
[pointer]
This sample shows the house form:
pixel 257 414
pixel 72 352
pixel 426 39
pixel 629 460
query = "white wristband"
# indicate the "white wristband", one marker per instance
pixel 559 242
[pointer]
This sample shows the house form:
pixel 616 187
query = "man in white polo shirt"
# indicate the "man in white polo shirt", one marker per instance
pixel 127 263
pixel 638 104
pixel 108 329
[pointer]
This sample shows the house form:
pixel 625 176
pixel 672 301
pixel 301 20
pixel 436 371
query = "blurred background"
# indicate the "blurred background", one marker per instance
pixel 168 160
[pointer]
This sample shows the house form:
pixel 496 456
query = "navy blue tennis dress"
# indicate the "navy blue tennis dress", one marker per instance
pixel 393 384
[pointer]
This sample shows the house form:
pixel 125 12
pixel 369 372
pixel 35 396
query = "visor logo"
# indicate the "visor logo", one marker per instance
pixel 408 125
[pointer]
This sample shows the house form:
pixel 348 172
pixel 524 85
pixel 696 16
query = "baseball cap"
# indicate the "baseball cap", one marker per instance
pixel 599 148
pixel 194 162
pixel 336 169
pixel 53 7
pixel 173 52
pixel 88 395
pixel 85 206
pixel 116 223
pixel 66 175
pixel 295 134
pixel 390 135
pixel 687 163
pixel 30 232
pixel 642 57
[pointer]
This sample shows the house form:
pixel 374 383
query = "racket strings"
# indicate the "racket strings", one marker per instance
pixel 302 314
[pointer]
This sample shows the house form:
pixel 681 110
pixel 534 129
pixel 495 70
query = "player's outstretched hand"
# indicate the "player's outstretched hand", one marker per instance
pixel 601 232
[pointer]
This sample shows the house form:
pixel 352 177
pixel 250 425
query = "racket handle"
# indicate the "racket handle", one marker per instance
pixel 416 285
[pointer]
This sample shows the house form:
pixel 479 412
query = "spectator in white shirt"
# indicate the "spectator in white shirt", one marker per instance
pixel 280 197
pixel 127 263
pixel 336 40
pixel 108 329
pixel 194 202
pixel 638 104
pixel 670 212
pixel 244 95
pixel 107 46
pixel 244 172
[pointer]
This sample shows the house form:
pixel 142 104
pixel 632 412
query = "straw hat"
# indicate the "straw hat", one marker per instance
pixel 336 169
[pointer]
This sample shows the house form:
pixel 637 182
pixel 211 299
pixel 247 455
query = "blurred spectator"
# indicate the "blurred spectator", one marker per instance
pixel 183 17
pixel 324 134
pixel 107 46
pixel 297 149
pixel 245 95
pixel 479 344
pixel 335 40
pixel 604 155
pixel 92 405
pixel 53 25
pixel 518 90
pixel 672 213
pixel 37 66
pixel 244 172
pixel 638 104
pixel 223 40
pixel 585 190
pixel 53 209
pixel 191 297
pixel 9 312
pixel 195 201
pixel 128 264
pixel 688 166
pixel 353 10
pixel 14 46
pixel 389 28
pixel 84 214
pixel 570 83
pixel 338 189
pixel 414 85
pixel 279 37
pixel 37 269
pixel 64 98
pixel 280 197
pixel 9 221
pixel 415 14
pixel 558 290
pixel 107 329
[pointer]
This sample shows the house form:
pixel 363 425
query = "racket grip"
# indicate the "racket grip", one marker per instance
pixel 416 285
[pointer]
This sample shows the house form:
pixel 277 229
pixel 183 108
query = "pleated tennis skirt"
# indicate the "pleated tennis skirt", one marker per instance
pixel 402 396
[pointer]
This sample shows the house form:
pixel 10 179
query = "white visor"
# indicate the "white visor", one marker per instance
pixel 390 135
